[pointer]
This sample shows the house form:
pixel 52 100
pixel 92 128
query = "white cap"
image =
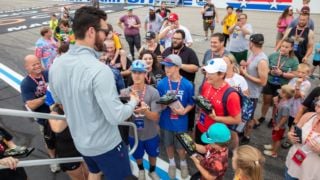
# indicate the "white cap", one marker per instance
pixel 215 65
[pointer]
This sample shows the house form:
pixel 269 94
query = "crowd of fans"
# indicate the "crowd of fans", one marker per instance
pixel 97 84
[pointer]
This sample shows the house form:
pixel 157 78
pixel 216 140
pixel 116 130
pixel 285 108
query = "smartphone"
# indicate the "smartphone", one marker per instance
pixel 298 132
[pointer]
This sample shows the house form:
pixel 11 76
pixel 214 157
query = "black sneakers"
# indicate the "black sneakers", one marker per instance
pixel 203 103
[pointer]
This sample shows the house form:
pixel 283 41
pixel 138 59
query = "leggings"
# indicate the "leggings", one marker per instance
pixel 133 41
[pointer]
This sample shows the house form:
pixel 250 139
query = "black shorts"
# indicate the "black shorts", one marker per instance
pixel 70 166
pixel 315 63
pixel 17 174
pixel 271 89
pixel 48 134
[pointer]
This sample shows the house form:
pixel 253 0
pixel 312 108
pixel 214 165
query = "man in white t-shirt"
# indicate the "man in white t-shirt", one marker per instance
pixel 167 31
pixel 239 41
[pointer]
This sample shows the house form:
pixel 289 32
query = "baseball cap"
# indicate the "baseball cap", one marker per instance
pixel 172 60
pixel 173 17
pixel 257 39
pixel 216 65
pixel 217 133
pixel 305 10
pixel 150 35
pixel 129 8
pixel 138 66
pixel 151 8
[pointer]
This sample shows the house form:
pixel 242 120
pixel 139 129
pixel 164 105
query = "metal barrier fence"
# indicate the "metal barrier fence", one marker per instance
pixel 40 162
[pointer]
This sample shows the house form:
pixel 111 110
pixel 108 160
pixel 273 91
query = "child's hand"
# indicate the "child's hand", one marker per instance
pixel 275 100
pixel 276 128
pixel 195 159
pixel 112 62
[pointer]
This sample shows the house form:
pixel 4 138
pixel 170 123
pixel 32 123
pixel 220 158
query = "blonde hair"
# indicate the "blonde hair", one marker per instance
pixel 304 67
pixel 288 90
pixel 249 161
pixel 233 61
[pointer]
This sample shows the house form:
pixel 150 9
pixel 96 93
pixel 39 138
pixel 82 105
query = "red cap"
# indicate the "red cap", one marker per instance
pixel 173 17
pixel 305 10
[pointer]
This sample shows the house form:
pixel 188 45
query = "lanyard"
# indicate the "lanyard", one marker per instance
pixel 279 60
pixel 210 98
pixel 148 78
pixel 253 58
pixel 178 87
pixel 37 82
pixel 296 34
pixel 143 93
pixel 178 50
pixel 311 132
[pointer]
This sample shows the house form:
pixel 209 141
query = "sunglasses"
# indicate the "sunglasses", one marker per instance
pixel 106 31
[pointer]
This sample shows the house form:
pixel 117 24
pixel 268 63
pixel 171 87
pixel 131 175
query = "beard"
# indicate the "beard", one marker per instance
pixel 98 44
pixel 176 46
pixel 152 16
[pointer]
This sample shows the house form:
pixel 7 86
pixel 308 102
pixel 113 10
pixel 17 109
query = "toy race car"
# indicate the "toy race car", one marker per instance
pixel 203 103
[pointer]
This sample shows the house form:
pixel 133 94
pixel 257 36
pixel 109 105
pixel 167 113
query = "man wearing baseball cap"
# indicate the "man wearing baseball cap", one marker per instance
pixel 146 116
pixel 216 140
pixel 153 21
pixel 175 120
pixel 303 10
pixel 213 89
pixel 255 70
pixel 167 31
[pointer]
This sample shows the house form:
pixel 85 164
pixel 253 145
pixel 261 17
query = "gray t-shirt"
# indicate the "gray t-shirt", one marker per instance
pixel 209 55
pixel 154 25
pixel 149 129
pixel 283 110
pixel 239 42
pixel 252 69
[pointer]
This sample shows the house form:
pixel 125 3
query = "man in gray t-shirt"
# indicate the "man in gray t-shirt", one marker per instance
pixel 153 21
pixel 146 116
pixel 255 70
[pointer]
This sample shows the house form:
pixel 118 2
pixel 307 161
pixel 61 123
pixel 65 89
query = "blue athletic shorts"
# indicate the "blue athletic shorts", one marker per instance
pixel 114 164
pixel 151 146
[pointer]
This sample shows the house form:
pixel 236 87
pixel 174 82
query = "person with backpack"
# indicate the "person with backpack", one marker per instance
pixel 214 90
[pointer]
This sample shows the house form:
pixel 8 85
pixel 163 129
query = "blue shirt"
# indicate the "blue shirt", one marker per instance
pixel 86 89
pixel 316 56
pixel 31 90
pixel 185 93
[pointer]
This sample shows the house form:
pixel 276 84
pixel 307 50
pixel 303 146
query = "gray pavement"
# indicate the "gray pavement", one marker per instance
pixel 15 45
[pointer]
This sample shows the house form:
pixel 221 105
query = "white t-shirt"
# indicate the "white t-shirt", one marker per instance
pixel 238 82
pixel 168 37
pixel 296 102
pixel 239 42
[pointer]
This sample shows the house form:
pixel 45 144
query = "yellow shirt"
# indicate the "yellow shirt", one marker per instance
pixel 228 22
pixel 116 41
pixel 53 24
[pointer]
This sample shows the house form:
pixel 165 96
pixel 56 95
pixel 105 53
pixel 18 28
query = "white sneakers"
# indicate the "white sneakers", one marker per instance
pixel 153 175
pixel 184 171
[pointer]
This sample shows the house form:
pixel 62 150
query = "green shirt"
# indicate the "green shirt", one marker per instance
pixel 286 65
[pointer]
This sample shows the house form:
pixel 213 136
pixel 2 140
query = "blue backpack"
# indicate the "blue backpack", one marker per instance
pixel 247 107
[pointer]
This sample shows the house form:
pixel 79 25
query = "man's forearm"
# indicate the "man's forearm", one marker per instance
pixel 35 103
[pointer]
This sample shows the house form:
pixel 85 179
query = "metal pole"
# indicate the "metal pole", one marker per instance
pixel 41 162
pixel 19 113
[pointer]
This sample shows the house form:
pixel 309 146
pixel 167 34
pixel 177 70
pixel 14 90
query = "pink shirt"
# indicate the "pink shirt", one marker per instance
pixel 285 22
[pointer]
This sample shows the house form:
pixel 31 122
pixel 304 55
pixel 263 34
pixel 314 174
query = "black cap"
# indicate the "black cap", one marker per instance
pixel 150 35
pixel 257 39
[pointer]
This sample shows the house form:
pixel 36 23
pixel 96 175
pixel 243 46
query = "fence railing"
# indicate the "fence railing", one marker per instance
pixel 40 162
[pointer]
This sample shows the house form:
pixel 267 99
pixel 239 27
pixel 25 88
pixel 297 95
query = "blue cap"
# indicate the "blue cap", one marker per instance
pixel 49 99
pixel 217 133
pixel 138 66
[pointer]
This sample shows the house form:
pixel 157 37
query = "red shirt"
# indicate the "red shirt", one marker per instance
pixel 215 97
pixel 215 161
